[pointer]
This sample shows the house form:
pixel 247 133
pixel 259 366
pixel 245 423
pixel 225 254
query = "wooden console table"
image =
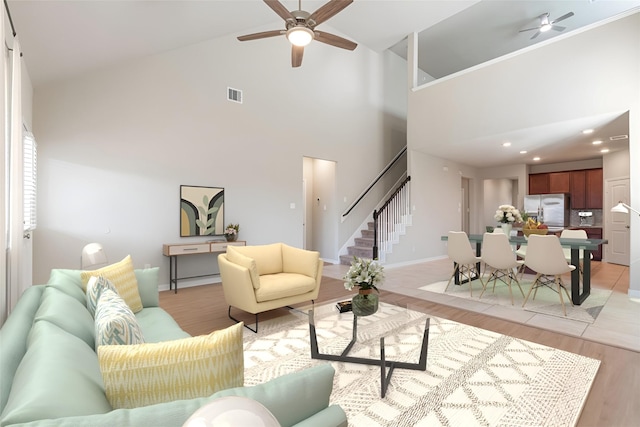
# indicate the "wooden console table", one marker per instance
pixel 174 250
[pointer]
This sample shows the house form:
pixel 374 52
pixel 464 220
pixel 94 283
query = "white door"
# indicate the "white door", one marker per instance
pixel 618 230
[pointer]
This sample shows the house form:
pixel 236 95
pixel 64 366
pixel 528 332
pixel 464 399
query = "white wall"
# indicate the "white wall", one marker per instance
pixel 116 145
pixel 593 72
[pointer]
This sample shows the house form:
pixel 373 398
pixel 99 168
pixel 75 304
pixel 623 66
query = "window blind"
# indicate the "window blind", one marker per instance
pixel 29 183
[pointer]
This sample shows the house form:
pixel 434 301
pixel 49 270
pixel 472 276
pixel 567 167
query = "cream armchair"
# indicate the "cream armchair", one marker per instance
pixel 261 278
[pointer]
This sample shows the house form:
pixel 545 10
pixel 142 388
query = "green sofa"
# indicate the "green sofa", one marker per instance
pixel 50 376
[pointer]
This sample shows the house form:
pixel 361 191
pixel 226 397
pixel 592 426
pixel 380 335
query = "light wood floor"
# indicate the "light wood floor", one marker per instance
pixel 612 402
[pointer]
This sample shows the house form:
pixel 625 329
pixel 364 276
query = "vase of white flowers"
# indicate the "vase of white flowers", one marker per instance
pixel 507 215
pixel 366 275
pixel 231 232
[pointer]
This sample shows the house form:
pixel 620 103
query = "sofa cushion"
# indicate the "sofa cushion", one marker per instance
pixel 244 261
pixel 148 286
pixel 59 376
pixel 268 257
pixel 158 325
pixel 68 281
pixel 277 286
pixel 115 323
pixel 73 318
pixel 124 279
pixel 95 287
pixel 145 374
pixel 301 261
pixel 13 337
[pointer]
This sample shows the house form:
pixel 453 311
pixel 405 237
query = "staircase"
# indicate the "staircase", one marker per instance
pixel 363 247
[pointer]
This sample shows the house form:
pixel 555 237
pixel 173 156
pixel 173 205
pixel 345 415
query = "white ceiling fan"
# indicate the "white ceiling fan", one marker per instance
pixel 546 24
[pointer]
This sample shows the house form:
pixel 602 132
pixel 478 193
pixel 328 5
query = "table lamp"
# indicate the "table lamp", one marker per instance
pixel 623 208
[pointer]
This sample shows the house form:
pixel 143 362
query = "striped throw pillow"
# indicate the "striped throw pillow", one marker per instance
pixel 115 323
pixel 95 287
pixel 123 277
pixel 146 374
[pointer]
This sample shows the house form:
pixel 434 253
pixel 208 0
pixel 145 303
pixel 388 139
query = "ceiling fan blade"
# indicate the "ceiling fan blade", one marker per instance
pixel 334 40
pixel 529 29
pixel 535 35
pixel 558 28
pixel 262 35
pixel 327 11
pixel 563 17
pixel 296 55
pixel 282 11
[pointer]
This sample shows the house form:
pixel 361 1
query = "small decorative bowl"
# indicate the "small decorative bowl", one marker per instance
pixel 528 231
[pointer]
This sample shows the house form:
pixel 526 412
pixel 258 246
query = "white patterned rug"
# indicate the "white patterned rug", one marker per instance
pixel 545 302
pixel 473 377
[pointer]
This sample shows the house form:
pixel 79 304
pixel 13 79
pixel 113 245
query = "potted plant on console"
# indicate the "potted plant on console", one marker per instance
pixel 366 275
pixel 231 232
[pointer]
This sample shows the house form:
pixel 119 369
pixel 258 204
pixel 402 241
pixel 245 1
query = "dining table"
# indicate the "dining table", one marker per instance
pixel 579 291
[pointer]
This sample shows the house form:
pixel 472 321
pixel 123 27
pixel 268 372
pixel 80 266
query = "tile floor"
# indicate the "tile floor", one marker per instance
pixel 618 323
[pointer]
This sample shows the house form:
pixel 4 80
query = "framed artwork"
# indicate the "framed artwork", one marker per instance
pixel 201 211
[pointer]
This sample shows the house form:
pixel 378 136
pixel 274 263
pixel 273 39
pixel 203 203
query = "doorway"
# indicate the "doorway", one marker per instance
pixel 320 218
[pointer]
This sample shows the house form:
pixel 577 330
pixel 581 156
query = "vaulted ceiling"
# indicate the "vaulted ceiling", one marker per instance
pixel 62 39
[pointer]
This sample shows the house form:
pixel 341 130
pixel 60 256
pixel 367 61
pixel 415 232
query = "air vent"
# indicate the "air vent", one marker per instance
pixel 618 137
pixel 234 95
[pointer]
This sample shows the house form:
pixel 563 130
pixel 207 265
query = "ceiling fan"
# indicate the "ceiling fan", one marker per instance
pixel 300 27
pixel 546 24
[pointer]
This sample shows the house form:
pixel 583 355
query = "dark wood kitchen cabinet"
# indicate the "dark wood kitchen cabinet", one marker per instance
pixel 539 183
pixel 586 189
pixel 594 189
pixel 578 189
pixel 559 182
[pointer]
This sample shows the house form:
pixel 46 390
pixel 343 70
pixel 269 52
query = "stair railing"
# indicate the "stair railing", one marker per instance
pixel 390 214
pixel 375 181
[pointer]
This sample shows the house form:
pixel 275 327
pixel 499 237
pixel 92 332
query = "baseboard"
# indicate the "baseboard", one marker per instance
pixel 634 293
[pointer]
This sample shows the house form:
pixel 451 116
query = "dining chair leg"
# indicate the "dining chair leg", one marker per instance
pixel 533 285
pixel 510 292
pixel 564 310
pixel 515 277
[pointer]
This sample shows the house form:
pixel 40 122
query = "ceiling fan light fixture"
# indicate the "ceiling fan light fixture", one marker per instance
pixel 299 36
pixel 545 27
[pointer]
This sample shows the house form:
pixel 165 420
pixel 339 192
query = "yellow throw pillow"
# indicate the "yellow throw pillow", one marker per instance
pixel 150 373
pixel 122 276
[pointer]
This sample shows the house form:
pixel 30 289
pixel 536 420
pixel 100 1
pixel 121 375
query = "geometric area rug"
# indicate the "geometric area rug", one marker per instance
pixel 546 300
pixel 474 377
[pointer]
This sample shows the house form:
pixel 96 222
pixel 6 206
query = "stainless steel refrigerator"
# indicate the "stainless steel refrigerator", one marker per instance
pixel 552 209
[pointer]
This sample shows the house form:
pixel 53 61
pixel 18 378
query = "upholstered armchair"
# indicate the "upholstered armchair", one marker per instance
pixel 259 278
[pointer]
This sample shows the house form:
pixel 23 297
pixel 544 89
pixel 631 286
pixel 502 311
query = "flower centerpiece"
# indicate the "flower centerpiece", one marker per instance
pixel 507 215
pixel 366 275
pixel 231 232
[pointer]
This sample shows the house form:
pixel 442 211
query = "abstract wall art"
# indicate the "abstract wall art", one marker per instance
pixel 201 211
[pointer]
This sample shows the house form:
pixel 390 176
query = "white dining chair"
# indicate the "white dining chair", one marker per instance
pixel 464 258
pixel 498 255
pixel 574 234
pixel 546 258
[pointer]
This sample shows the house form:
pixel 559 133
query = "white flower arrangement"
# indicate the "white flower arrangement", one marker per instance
pixel 364 273
pixel 232 229
pixel 508 214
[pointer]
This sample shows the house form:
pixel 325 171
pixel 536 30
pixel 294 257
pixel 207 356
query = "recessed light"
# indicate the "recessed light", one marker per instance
pixel 535 159
pixel 506 144
pixel 523 152
pixel 597 142
pixel 604 150
pixel 587 131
